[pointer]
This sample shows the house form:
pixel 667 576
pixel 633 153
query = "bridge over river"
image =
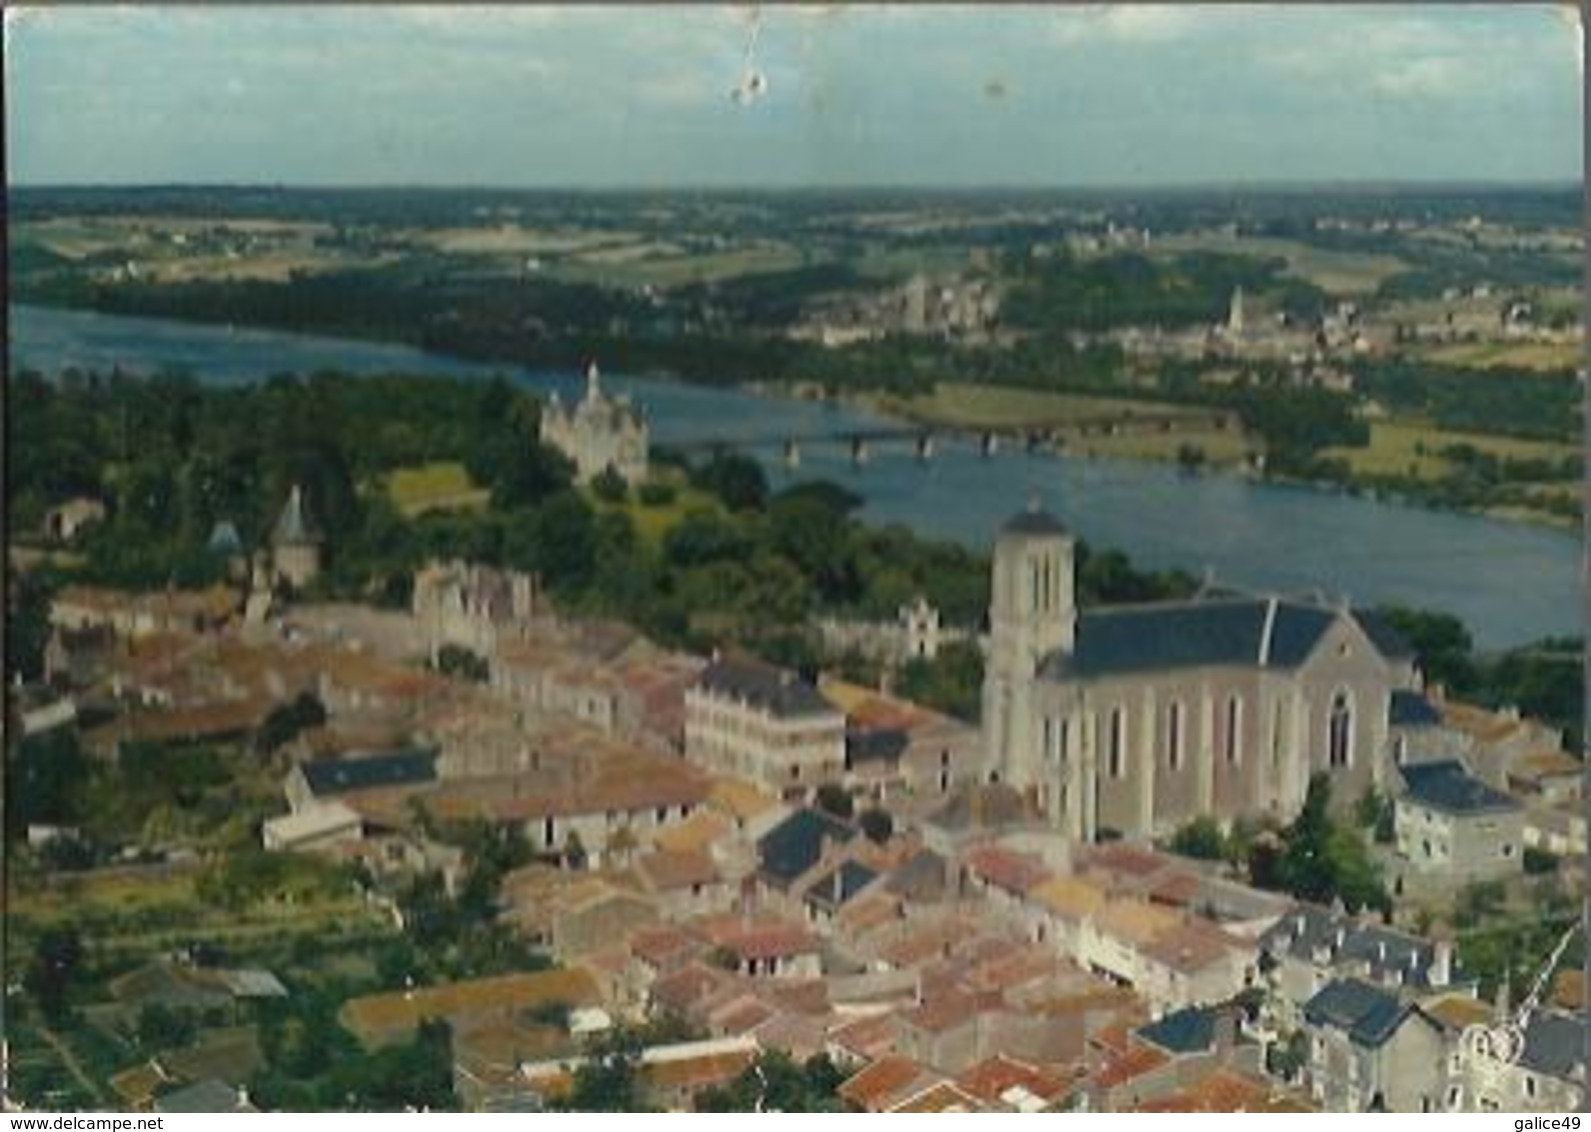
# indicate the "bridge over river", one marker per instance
pixel 922 442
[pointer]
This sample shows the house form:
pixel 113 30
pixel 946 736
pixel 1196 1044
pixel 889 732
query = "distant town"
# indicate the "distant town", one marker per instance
pixel 395 741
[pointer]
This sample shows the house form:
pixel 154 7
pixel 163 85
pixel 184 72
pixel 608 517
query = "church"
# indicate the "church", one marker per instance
pixel 1133 720
pixel 600 433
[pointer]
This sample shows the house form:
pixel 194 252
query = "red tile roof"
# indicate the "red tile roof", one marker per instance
pixel 1015 872
pixel 991 1078
pixel 1125 1067
pixel 882 1082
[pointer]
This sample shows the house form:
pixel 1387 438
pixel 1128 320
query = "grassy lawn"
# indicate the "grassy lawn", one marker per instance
pixel 1409 448
pixel 1542 356
pixel 1221 447
pixel 444 485
pixel 988 406
pixel 652 524
pixel 1340 273
pixel 678 270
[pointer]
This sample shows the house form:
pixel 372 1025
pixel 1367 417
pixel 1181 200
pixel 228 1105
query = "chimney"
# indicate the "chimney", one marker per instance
pixel 1441 971
pixel 1226 1028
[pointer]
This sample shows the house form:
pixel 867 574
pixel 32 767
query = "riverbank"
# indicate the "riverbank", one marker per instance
pixel 1510 581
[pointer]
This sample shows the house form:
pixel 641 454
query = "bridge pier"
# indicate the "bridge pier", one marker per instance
pixel 989 444
pixel 792 454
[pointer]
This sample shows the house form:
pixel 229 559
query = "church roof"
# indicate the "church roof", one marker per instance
pixel 294 528
pixel 1263 632
pixel 1033 521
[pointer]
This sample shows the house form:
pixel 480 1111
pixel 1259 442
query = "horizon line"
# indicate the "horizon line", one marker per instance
pixel 1395 185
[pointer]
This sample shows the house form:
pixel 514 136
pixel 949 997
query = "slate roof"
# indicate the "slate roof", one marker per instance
pixel 795 844
pixel 781 693
pixel 1555 1044
pixel 204 1096
pixel 341 776
pixel 1412 709
pixel 1033 521
pixel 880 745
pixel 1365 1013
pixel 1191 1030
pixel 224 539
pixel 1239 631
pixel 1308 929
pixel 838 886
pixel 921 878
pixel 1447 786
pixel 1392 644
pixel 293 527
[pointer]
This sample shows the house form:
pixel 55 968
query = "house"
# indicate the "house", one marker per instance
pixel 683 883
pixel 671 1075
pixel 791 849
pixel 1369 1051
pixel 318 825
pixel 394 1016
pixel 209 1095
pixel 1312 946
pixel 763 946
pixel 64 522
pixel 1139 718
pixel 322 780
pixel 1449 823
pixel 826 896
pixel 1005 1083
pixel 886 1082
pixel 747 718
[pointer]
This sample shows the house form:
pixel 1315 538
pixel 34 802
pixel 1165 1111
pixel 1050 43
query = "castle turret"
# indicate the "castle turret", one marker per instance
pixel 296 542
pixel 1032 614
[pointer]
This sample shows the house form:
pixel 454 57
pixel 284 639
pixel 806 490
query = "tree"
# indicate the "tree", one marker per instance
pixel 877 825
pixel 737 480
pixel 834 799
pixel 1200 839
pixel 609 486
pixel 610 1078
pixel 775 1083
pixel 56 958
pixel 161 1027
pixel 287 721
pixel 1320 861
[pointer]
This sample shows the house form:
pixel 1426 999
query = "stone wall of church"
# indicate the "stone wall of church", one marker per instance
pixel 1144 753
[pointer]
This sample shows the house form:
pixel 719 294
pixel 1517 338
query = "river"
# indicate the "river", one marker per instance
pixel 1509 582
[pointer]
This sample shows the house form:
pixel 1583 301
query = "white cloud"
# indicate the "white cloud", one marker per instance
pixel 1430 77
pixel 1130 23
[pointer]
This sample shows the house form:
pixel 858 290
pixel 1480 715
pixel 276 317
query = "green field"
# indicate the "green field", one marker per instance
pixel 1540 356
pixel 1338 273
pixel 1410 448
pixel 669 270
pixel 441 486
pixel 652 524
pixel 955 405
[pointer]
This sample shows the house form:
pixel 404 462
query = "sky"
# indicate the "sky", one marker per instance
pixel 1044 96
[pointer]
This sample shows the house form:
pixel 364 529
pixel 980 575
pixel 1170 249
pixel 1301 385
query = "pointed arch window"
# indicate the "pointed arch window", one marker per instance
pixel 1118 741
pixel 1339 732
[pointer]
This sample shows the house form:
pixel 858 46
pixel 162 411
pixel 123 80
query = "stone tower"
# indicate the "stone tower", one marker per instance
pixel 1032 613
pixel 1234 314
pixel 296 543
